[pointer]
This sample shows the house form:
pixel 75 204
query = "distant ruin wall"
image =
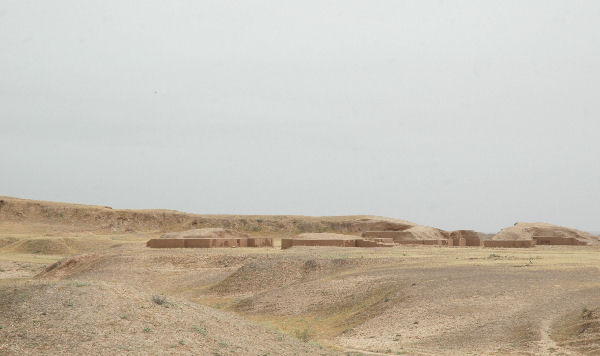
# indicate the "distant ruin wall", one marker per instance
pixel 210 243
pixel 317 242
pixel 557 240
pixel 471 238
pixel 290 242
pixel 445 242
pixel 372 243
pixel 509 243
pixel 165 243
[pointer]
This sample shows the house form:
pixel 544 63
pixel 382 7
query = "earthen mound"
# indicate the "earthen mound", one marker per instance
pixel 91 318
pixel 207 233
pixel 274 273
pixel 413 235
pixel 334 240
pixel 326 236
pixel 579 331
pixel 55 245
pixel 209 238
pixel 546 234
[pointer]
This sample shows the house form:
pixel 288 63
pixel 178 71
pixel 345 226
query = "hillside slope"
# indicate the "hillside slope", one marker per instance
pixel 31 215
pixel 527 231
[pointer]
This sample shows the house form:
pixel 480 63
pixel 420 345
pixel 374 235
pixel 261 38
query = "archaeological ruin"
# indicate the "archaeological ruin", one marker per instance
pixel 209 238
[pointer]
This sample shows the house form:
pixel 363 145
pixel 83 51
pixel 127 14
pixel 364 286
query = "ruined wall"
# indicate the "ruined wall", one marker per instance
pixel 210 243
pixel 471 238
pixel 290 242
pixel 441 242
pixel 372 243
pixel 557 240
pixel 509 243
pixel 286 243
pixel 322 242
pixel 260 242
pixel 165 243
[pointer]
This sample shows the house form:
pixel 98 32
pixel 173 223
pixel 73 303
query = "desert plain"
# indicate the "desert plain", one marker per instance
pixel 78 279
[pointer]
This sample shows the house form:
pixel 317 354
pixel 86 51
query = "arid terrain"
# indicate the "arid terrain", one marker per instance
pixel 78 279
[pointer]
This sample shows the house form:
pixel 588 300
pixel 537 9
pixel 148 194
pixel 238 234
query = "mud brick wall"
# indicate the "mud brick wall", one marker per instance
pixel 371 243
pixel 509 243
pixel 196 243
pixel 286 243
pixel 558 240
pixel 471 237
pixel 409 242
pixel 318 242
pixel 208 243
pixel 260 242
pixel 165 243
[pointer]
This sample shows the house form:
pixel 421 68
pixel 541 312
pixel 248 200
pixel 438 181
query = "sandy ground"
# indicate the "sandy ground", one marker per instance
pixel 109 294
pixel 405 300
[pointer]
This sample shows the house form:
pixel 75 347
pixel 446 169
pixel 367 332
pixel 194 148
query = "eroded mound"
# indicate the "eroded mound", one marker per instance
pixel 547 234
pixel 67 267
pixel 207 233
pixel 96 318
pixel 272 273
pixel 55 245
pixel 326 236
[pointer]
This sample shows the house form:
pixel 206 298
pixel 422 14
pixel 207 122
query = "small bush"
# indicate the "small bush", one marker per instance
pixel 199 330
pixel 304 335
pixel 147 329
pixel 159 299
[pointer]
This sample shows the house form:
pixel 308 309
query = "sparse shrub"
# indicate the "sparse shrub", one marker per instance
pixel 124 317
pixel 147 329
pixel 304 335
pixel 199 330
pixel 181 342
pixel 259 221
pixel 256 228
pixel 159 299
pixel 223 344
pixel 316 344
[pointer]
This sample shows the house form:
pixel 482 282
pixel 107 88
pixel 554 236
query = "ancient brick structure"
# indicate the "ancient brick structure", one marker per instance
pixel 558 240
pixel 337 240
pixel 207 238
pixel 465 238
pixel 509 243
pixel 210 242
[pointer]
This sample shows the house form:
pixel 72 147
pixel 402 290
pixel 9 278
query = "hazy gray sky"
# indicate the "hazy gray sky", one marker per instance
pixel 455 114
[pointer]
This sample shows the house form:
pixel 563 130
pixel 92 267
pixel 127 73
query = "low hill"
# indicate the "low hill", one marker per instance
pixel 41 216
pixel 527 231
pixel 85 318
